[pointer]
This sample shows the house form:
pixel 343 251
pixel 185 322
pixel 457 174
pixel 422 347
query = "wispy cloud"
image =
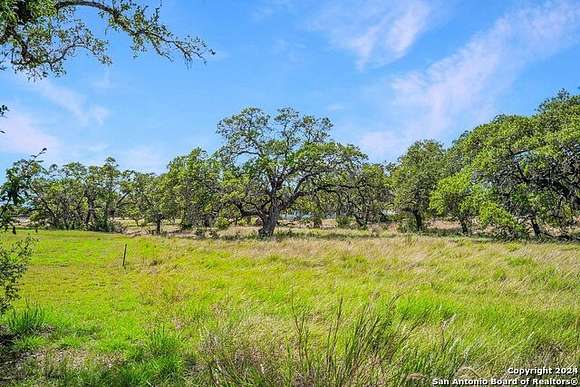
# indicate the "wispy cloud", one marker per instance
pixel 71 101
pixel 24 137
pixel 377 32
pixel 291 51
pixel 462 88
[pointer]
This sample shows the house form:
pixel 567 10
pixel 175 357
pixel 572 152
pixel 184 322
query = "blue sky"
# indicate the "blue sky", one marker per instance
pixel 386 72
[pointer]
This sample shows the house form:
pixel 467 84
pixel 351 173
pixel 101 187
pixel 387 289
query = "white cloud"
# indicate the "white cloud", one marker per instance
pixel 462 89
pixel 71 101
pixel 377 32
pixel 98 113
pixel 292 52
pixel 22 136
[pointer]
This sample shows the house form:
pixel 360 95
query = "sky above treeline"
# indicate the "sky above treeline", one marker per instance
pixel 385 72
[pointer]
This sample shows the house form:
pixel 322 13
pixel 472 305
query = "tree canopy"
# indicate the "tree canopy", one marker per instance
pixel 415 177
pixel 524 170
pixel 270 162
pixel 38 36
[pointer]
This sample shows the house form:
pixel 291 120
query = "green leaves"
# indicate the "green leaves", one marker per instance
pixel 271 162
pixel 415 177
pixel 194 189
pixel 13 264
pixel 529 168
pixel 77 197
pixel 38 36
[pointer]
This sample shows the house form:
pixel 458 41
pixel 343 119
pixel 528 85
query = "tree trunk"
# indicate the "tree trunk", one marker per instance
pixel 90 213
pixel 269 223
pixel 536 228
pixel 158 226
pixel 464 226
pixel 418 220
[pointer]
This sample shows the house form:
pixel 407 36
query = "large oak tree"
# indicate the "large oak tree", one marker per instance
pixel 271 162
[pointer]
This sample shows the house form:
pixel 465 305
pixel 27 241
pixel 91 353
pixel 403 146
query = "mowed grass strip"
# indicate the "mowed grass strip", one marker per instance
pixel 502 303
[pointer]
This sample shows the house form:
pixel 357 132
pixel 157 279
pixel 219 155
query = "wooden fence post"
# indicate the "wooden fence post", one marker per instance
pixel 124 255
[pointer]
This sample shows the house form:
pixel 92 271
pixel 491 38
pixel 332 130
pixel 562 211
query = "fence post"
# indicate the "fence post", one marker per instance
pixel 124 255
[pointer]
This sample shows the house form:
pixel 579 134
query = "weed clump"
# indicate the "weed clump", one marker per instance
pixel 30 320
pixel 374 348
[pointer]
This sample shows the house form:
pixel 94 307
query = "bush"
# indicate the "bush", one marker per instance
pixel 343 221
pixel 13 264
pixel 407 225
pixel 504 225
pixel 222 223
pixel 376 230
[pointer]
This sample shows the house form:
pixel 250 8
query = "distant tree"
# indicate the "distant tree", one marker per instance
pixel 77 197
pixel 526 168
pixel 365 194
pixel 271 162
pixel 12 193
pixel 554 158
pixel 147 198
pixel 415 177
pixel 453 197
pixel 57 197
pixel 194 188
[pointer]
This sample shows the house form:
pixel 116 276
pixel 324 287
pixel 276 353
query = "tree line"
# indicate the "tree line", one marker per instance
pixel 513 177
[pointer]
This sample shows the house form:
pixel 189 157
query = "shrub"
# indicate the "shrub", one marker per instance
pixel 13 264
pixel 503 224
pixel 222 223
pixel 376 230
pixel 343 221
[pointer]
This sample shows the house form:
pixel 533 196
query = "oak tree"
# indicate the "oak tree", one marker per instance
pixel 271 162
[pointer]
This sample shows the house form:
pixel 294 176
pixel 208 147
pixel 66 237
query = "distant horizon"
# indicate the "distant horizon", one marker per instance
pixel 386 74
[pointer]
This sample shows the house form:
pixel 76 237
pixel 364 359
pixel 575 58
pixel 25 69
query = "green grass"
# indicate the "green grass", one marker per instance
pixel 190 311
pixel 27 321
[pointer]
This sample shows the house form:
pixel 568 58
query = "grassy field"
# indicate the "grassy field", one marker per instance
pixel 303 309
